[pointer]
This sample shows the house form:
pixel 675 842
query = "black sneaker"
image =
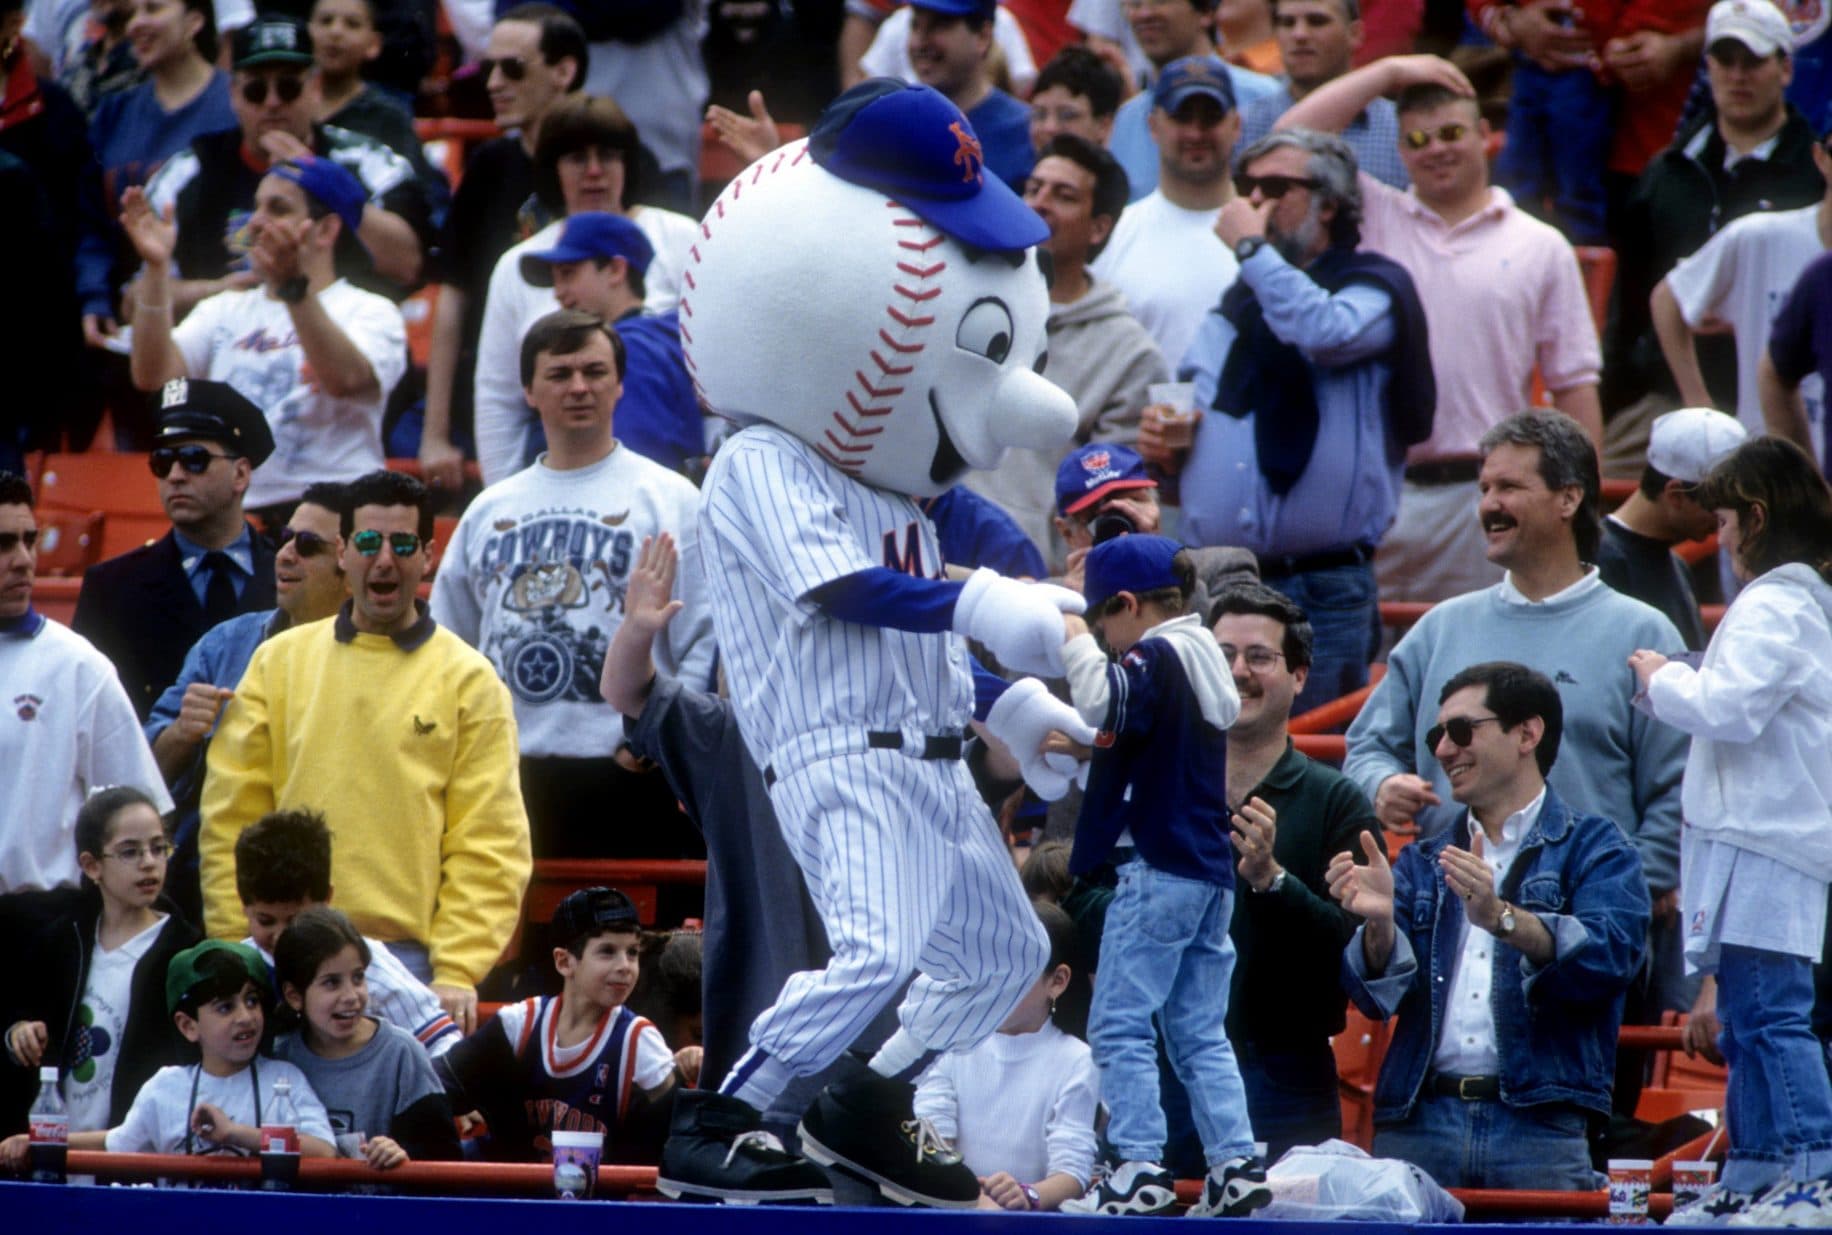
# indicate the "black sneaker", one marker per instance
pixel 717 1150
pixel 1233 1190
pixel 865 1124
pixel 1129 1188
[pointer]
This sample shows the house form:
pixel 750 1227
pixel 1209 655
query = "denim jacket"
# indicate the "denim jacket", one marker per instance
pixel 1556 1024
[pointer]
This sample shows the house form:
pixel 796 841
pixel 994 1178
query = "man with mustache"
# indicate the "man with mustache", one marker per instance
pixel 1552 612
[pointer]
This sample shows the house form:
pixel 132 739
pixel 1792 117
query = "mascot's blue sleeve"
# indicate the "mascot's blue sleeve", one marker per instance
pixel 880 596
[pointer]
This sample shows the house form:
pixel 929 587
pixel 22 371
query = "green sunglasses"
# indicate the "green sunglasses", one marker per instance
pixel 369 543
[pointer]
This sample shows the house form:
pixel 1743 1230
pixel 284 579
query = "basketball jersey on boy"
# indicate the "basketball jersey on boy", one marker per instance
pixel 585 1087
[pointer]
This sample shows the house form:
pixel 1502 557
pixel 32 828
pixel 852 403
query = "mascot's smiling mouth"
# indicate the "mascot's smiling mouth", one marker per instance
pixel 948 466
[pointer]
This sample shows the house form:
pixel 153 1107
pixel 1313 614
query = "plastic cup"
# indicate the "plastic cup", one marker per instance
pixel 1629 1182
pixel 1691 1180
pixel 575 1164
pixel 1180 397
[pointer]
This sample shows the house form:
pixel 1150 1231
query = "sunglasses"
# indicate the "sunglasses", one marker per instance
pixel 193 459
pixel 1462 730
pixel 1271 187
pixel 514 68
pixel 254 90
pixel 369 542
pixel 305 544
pixel 12 540
pixel 1449 134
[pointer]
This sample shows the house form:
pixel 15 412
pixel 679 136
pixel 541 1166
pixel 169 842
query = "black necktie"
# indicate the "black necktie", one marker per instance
pixel 219 593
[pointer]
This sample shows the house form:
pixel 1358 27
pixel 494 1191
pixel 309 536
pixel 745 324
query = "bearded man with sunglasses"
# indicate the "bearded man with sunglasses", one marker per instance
pixel 1315 373
pixel 404 737
pixel 308 582
pixel 1503 296
pixel 144 609
pixel 208 190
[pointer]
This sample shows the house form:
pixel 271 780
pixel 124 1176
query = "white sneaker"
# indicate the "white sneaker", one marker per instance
pixel 1716 1206
pixel 1790 1204
pixel 1130 1188
pixel 1233 1190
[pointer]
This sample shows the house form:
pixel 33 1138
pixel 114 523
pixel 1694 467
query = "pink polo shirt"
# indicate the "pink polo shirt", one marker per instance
pixel 1502 295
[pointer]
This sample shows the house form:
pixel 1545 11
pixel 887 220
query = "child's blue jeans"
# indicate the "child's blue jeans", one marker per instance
pixel 1559 133
pixel 1166 946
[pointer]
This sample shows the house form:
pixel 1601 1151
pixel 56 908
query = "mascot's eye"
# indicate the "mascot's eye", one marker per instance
pixel 986 331
pixel 1043 362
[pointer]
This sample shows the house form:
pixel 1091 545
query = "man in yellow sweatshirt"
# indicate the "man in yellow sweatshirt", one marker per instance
pixel 404 737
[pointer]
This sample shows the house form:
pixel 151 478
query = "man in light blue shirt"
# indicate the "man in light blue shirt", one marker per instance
pixel 1168 30
pixel 1311 379
pixel 1317 41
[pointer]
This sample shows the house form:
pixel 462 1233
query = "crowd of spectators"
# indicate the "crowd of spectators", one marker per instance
pixel 1358 301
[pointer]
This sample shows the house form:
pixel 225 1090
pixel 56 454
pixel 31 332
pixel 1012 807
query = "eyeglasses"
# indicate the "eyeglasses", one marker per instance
pixel 131 853
pixel 369 542
pixel 305 544
pixel 193 459
pixel 1259 659
pixel 254 90
pixel 1462 730
pixel 514 67
pixel 1449 134
pixel 12 540
pixel 1270 187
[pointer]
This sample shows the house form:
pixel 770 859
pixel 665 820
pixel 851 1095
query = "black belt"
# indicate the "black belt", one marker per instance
pixel 1285 567
pixel 1444 471
pixel 934 746
pixel 1468 1088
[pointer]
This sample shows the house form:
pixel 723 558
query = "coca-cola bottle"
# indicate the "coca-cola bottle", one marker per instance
pixel 280 1140
pixel 50 1136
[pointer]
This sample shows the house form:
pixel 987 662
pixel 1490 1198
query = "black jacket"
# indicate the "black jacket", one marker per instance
pixel 142 613
pixel 49 979
pixel 1683 199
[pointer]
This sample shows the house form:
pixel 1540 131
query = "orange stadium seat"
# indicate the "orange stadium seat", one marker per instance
pixel 68 542
pixel 117 485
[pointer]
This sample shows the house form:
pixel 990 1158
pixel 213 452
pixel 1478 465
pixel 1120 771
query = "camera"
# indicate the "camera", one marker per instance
pixel 1110 525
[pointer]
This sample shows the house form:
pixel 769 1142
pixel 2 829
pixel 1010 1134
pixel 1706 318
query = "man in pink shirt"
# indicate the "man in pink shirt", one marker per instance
pixel 1503 296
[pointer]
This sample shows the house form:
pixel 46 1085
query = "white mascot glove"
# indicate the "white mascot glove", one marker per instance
pixel 1022 718
pixel 1020 622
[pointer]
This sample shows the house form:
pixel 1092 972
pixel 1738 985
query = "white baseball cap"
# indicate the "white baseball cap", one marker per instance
pixel 1756 24
pixel 1688 443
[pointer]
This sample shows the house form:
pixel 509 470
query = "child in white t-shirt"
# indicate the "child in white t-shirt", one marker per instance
pixel 1020 1106
pixel 89 984
pixel 218 994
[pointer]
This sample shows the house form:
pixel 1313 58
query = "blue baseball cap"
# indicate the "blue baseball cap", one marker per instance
pixel 1090 473
pixel 958 8
pixel 1184 79
pixel 911 144
pixel 592 235
pixel 331 184
pixel 1128 564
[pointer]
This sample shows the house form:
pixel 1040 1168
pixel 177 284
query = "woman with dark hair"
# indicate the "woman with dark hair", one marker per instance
pixel 137 130
pixel 1756 851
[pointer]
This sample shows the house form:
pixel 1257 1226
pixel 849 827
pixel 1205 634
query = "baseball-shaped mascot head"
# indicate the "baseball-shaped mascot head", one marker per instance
pixel 873 291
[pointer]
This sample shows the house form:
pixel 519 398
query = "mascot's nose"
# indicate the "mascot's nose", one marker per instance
pixel 1032 413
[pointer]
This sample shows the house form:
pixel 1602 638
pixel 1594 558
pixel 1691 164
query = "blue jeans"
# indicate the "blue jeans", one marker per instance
pixel 1166 950
pixel 1490 1144
pixel 1778 1099
pixel 1559 133
pixel 1341 605
pixel 1292 1095
pixel 414 958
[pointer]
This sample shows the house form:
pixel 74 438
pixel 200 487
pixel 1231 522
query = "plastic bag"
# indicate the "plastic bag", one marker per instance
pixel 1336 1180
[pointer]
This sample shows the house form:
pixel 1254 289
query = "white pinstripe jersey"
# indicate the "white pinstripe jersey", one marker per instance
pixel 776 522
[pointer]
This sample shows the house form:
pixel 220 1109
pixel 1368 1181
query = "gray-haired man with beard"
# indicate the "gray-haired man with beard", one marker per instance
pixel 1285 458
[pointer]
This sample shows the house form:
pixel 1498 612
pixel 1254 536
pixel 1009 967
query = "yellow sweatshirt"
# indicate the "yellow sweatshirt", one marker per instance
pixel 409 750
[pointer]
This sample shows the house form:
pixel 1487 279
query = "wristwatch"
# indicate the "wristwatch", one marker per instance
pixel 293 290
pixel 1030 1194
pixel 1505 924
pixel 1248 246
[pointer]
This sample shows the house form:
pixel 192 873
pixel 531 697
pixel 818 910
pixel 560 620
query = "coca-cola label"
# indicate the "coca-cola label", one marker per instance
pixel 281 1139
pixel 50 1130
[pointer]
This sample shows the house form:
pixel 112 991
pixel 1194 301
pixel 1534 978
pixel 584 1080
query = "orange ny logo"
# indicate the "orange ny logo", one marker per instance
pixel 968 157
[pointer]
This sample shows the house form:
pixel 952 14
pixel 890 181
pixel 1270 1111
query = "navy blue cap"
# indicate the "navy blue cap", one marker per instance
pixel 271 39
pixel 958 8
pixel 1184 79
pixel 188 407
pixel 594 909
pixel 911 144
pixel 1128 564
pixel 592 235
pixel 1091 472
